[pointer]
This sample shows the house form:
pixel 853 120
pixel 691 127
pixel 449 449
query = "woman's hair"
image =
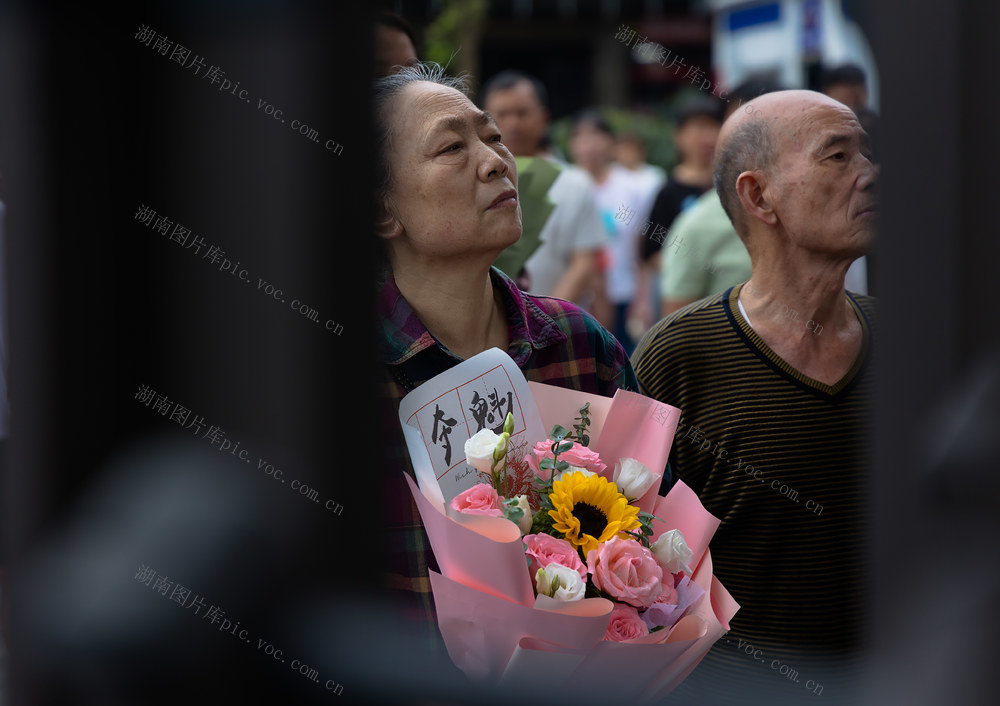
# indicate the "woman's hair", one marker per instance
pixel 387 89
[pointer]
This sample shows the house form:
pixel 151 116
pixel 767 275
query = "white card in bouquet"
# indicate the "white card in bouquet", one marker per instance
pixel 451 407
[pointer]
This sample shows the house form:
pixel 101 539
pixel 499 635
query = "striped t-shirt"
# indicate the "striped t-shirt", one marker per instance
pixel 781 459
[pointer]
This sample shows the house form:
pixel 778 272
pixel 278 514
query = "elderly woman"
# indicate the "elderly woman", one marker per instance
pixel 447 206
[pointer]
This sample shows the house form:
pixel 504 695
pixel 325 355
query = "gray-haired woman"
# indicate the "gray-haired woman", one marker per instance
pixel 446 207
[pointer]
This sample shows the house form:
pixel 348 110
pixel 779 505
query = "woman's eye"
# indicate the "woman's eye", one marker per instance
pixel 454 148
pixel 497 138
pixel 839 156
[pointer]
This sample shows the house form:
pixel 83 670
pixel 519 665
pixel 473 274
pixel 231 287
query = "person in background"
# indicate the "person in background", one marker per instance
pixel 592 146
pixel 775 377
pixel 565 263
pixel 695 132
pixel 630 152
pixel 846 83
pixel 395 44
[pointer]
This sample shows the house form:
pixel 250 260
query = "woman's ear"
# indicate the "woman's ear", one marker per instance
pixel 387 226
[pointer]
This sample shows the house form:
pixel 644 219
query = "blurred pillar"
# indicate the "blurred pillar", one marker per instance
pixel 609 70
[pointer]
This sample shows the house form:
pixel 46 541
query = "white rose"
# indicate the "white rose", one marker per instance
pixel 672 552
pixel 560 582
pixel 574 469
pixel 633 478
pixel 523 524
pixel 479 450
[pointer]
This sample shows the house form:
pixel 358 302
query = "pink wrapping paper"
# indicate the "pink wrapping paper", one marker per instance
pixel 628 426
pixel 486 556
pixel 487 612
pixel 481 631
pixel 683 511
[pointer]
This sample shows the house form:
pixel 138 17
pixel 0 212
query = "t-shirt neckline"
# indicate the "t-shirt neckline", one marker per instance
pixel 739 321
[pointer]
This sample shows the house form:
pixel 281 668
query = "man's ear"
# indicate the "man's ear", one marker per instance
pixel 751 188
pixel 387 226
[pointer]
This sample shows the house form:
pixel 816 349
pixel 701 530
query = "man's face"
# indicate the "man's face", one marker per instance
pixel 392 47
pixel 696 139
pixel 523 120
pixel 448 168
pixel 823 187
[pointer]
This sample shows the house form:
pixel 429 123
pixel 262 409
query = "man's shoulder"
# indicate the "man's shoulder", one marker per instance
pixel 691 322
pixel 867 303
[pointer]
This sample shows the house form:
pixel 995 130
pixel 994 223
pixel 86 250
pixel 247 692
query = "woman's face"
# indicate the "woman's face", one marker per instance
pixel 454 183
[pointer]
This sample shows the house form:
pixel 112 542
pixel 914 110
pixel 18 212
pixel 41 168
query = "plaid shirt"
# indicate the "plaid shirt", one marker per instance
pixel 552 341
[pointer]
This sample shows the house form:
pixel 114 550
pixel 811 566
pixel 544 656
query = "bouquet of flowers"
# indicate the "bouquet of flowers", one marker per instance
pixel 588 571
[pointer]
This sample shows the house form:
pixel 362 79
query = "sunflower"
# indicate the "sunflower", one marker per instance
pixel 589 510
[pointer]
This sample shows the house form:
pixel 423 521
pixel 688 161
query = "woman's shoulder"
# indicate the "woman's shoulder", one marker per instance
pixel 575 322
pixel 563 312
pixel 601 364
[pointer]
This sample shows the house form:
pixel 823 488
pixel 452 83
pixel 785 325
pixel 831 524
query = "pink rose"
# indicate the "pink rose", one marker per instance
pixel 669 594
pixel 578 455
pixel 480 499
pixel 545 549
pixel 626 571
pixel 625 624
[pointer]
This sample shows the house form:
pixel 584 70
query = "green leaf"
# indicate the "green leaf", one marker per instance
pixel 541 523
pixel 565 446
pixel 546 463
pixel 562 465
pixel 558 433
pixel 585 438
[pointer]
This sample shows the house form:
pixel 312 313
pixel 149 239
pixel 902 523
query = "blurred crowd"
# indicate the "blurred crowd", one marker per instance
pixel 628 241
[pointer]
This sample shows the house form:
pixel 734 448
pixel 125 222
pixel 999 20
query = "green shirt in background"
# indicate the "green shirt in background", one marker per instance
pixel 702 255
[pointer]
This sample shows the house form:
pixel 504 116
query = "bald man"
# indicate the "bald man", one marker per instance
pixel 773 377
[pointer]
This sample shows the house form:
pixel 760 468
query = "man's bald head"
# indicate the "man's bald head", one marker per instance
pixel 754 137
